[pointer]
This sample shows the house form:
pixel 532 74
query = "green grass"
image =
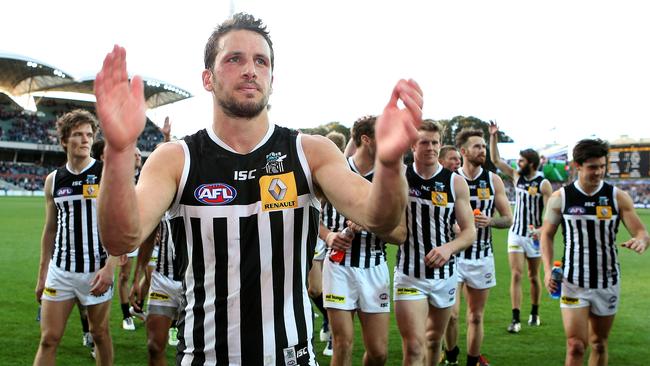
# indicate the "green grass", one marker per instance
pixel 21 222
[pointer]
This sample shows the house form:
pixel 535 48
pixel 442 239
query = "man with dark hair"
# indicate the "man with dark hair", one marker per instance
pixel 532 193
pixel 449 157
pixel 74 265
pixel 358 282
pixel 245 194
pixel 425 274
pixel 589 210
pixel 476 269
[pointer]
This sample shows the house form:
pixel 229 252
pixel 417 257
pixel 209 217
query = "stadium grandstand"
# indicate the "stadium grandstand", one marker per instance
pixel 29 149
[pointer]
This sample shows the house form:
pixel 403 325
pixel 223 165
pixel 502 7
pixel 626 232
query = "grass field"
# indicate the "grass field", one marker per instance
pixel 21 222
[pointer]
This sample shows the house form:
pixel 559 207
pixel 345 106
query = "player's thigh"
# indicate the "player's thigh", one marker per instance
pixel 99 314
pixel 438 317
pixel 374 329
pixel 533 266
pixel 411 317
pixel 341 323
pixel 600 327
pixel 516 262
pixel 158 328
pixel 576 322
pixel 54 316
pixel 476 299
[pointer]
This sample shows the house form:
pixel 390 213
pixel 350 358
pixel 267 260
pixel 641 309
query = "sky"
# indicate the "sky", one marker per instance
pixel 546 71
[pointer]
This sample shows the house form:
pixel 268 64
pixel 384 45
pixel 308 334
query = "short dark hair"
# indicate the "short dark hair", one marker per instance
pixel 97 150
pixel 72 119
pixel 239 21
pixel 430 125
pixel 363 126
pixel 532 156
pixel 465 134
pixel 445 150
pixel 588 149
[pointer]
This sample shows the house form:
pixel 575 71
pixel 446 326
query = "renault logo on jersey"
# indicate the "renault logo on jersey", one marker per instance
pixel 215 194
pixel 277 189
pixel 278 192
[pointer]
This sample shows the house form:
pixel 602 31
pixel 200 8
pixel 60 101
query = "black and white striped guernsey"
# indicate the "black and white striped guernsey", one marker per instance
pixel 165 261
pixel 589 227
pixel 529 204
pixel 367 249
pixel 77 247
pixel 430 216
pixel 250 222
pixel 481 196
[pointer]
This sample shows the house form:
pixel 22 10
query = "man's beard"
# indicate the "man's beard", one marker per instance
pixel 235 109
pixel 525 171
pixel 477 160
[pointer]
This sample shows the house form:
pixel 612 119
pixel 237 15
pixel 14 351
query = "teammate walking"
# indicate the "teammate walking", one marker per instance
pixel 532 193
pixel 590 211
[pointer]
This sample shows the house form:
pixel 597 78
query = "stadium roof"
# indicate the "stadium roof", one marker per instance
pixel 20 75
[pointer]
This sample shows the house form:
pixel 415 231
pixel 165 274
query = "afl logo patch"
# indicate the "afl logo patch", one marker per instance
pixel 64 191
pixel 576 210
pixel 215 194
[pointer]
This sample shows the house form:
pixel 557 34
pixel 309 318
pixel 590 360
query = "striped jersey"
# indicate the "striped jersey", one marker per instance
pixel 430 217
pixel 367 249
pixel 250 223
pixel 589 227
pixel 166 252
pixel 481 196
pixel 529 204
pixel 77 247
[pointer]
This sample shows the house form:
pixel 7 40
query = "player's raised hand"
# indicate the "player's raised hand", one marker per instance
pixel 493 128
pixel 120 103
pixel 396 129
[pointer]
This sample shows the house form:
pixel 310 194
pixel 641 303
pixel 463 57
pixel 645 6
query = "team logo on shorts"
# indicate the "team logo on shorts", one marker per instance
pixel 278 192
pixel 49 291
pixel 215 194
pixel 407 291
pixel 158 296
pixel 335 298
pixel 383 296
pixel 604 212
pixel 569 300
pixel 452 291
pixel 613 299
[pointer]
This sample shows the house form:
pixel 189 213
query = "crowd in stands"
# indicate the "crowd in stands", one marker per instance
pixel 639 190
pixel 30 177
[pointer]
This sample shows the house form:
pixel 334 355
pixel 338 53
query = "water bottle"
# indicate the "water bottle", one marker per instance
pixel 534 236
pixel 557 276
pixel 338 255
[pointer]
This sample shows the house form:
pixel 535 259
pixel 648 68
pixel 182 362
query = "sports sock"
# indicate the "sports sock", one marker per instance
pixel 452 355
pixel 84 324
pixel 515 315
pixel 472 360
pixel 125 311
pixel 318 301
pixel 534 310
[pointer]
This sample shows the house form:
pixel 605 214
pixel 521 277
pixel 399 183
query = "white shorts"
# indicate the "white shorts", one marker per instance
pixel 62 285
pixel 133 254
pixel 522 244
pixel 320 250
pixel 440 293
pixel 164 292
pixel 154 256
pixel 350 288
pixel 603 301
pixel 477 273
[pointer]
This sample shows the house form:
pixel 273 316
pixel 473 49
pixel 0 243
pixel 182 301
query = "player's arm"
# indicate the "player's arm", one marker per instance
pixel 640 240
pixel 502 205
pixel 552 218
pixel 494 152
pixel 547 190
pixel 378 206
pixel 142 262
pixel 47 238
pixel 437 257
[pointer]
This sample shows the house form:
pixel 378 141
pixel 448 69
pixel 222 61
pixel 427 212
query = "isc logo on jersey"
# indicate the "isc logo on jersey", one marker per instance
pixel 215 194
pixel 278 192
